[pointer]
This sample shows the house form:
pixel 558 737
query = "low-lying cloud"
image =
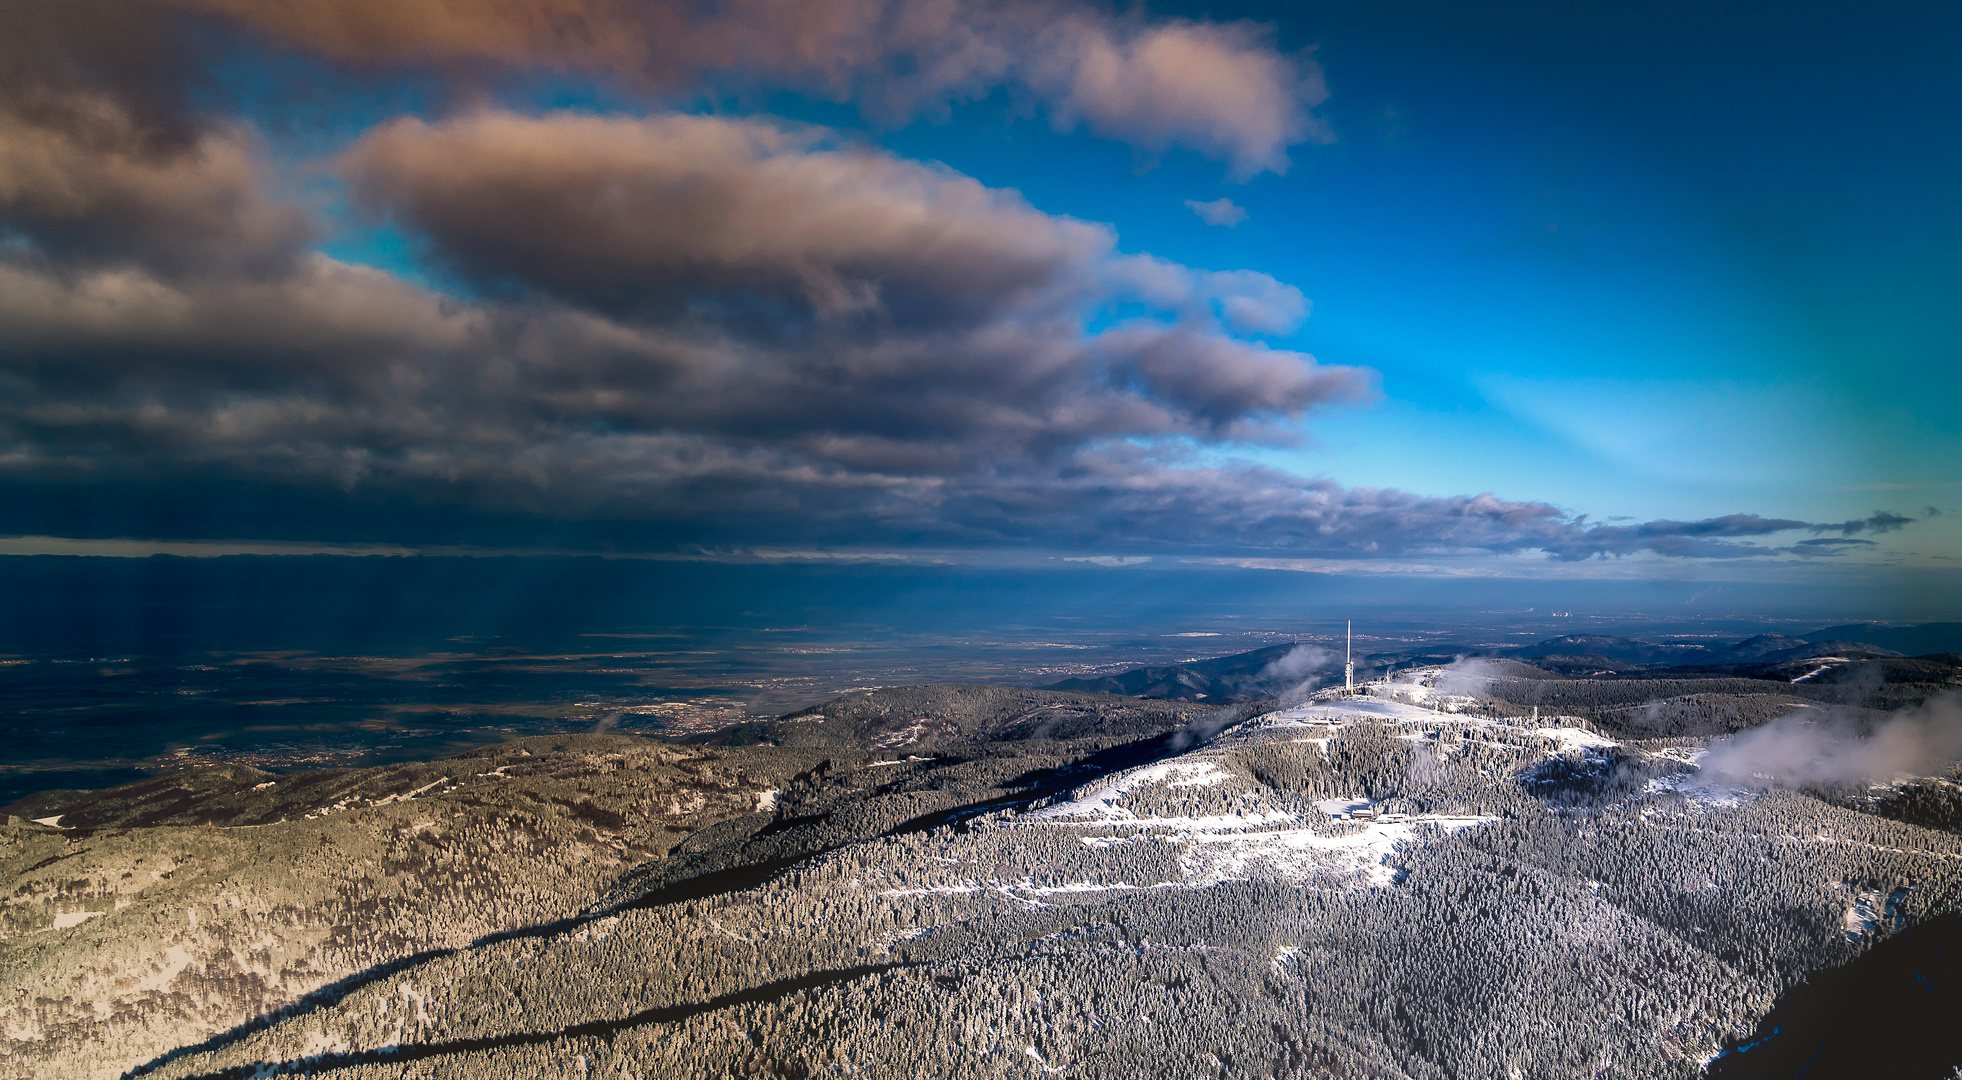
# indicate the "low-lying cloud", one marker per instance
pixel 1821 747
pixel 1297 664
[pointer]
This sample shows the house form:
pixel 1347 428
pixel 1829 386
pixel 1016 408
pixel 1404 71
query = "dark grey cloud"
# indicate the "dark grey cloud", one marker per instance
pixel 1882 521
pixel 1837 545
pixel 1707 538
pixel 104 160
pixel 83 179
pixel 960 399
pixel 351 390
pixel 685 330
pixel 683 214
pixel 883 308
pixel 126 51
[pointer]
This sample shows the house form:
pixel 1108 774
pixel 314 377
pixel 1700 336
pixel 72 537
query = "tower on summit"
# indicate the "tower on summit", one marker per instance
pixel 1349 660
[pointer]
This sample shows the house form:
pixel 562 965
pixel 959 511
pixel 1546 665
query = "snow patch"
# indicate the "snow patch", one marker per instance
pixel 1102 802
pixel 1873 913
pixel 1302 854
pixel 1573 738
pixel 1337 808
pixel 902 737
pixel 408 795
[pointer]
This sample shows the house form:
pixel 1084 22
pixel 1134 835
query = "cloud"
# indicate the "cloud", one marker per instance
pixel 1233 388
pixel 1707 538
pixel 1219 88
pixel 354 390
pixel 740 329
pixel 1882 521
pixel 1246 300
pixel 81 176
pixel 731 219
pixel 674 331
pixel 128 54
pixel 900 356
pixel 1221 211
pixel 1297 664
pixel 1813 748
pixel 1829 546
pixel 1222 89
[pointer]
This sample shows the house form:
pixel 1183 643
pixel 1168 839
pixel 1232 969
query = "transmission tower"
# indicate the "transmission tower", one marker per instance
pixel 1349 660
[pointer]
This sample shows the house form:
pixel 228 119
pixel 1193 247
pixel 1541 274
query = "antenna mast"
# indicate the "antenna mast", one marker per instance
pixel 1349 660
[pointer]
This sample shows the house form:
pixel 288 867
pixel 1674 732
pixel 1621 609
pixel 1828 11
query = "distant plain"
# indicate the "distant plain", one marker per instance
pixel 111 669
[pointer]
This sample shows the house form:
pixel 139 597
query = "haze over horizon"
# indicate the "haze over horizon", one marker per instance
pixel 1647 293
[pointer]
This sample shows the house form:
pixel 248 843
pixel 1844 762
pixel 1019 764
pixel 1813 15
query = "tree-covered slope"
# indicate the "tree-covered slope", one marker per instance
pixel 1344 888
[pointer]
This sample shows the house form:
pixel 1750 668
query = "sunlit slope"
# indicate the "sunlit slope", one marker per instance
pixel 166 911
pixel 1404 885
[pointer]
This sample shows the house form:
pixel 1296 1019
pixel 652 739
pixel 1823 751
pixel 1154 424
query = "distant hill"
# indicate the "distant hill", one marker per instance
pixel 922 719
pixel 1574 652
pixel 1224 678
pixel 1922 640
pixel 1622 649
pixel 1758 648
pixel 1777 648
pixel 1832 648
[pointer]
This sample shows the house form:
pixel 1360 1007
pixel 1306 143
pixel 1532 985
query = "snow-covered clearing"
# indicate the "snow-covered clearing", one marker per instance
pixel 1825 664
pixel 1349 711
pixel 1692 786
pixel 1252 820
pixel 1873 912
pixel 1303 854
pixel 408 795
pixel 903 736
pixel 1102 801
pixel 1572 738
pixel 1025 890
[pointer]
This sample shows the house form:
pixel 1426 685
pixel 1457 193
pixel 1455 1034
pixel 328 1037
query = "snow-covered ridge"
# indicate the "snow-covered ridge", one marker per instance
pixel 1105 800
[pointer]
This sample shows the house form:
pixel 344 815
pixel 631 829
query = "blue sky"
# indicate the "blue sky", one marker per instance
pixel 1664 265
pixel 1684 273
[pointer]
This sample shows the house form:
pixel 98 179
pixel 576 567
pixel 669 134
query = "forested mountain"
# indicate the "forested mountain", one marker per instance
pixel 1437 879
pixel 1225 678
pixel 1294 668
pixel 1940 637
